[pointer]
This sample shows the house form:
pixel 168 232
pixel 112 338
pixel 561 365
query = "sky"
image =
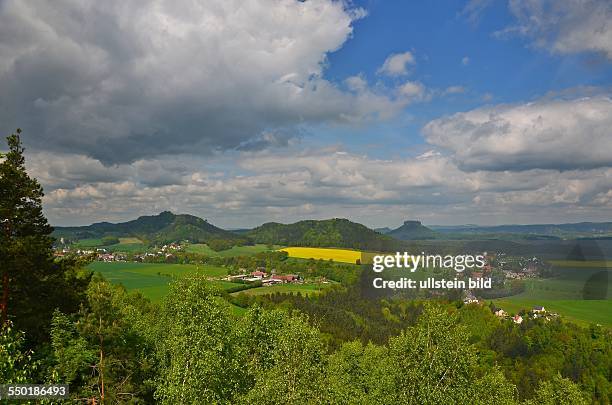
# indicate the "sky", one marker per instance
pixel 244 112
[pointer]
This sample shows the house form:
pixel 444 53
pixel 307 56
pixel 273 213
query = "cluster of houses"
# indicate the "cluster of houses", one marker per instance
pixel 515 268
pixel 537 311
pixel 527 268
pixel 260 274
pixel 110 257
pixel 100 254
pixel 172 247
pixel 527 272
pixel 65 251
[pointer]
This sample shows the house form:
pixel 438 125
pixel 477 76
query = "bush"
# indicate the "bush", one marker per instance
pixel 110 240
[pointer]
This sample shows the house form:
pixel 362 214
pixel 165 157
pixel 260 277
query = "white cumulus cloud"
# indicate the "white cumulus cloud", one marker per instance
pixel 397 64
pixel 550 134
pixel 566 26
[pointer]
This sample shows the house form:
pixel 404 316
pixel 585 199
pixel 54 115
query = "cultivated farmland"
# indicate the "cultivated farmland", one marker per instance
pixel 337 255
pixel 152 279
pixel 203 249
pixel 126 245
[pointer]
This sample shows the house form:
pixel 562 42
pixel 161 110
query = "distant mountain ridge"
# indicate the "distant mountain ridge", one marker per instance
pixel 163 228
pixel 568 230
pixel 412 230
pixel 342 233
pixel 337 232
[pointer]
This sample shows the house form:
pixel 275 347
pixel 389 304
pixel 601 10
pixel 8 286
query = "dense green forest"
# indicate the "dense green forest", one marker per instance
pixel 165 227
pixel 335 232
pixel 60 324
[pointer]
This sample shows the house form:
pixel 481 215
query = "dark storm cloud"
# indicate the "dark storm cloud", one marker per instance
pixel 120 81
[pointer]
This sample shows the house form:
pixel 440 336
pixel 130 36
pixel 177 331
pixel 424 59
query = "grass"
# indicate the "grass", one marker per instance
pixel 569 285
pixel 304 289
pixel 128 245
pixel 566 293
pixel 238 311
pixel 582 312
pixel 337 255
pixel 129 240
pixel 88 243
pixel 125 245
pixel 582 263
pixel 152 279
pixel 232 252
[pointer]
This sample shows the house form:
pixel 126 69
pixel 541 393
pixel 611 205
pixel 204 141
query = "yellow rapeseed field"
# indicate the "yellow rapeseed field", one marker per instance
pixel 337 255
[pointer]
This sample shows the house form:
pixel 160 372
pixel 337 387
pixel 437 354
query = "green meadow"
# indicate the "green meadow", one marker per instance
pixel 152 279
pixel 88 243
pixel 581 292
pixel 125 245
pixel 203 249
pixel 583 312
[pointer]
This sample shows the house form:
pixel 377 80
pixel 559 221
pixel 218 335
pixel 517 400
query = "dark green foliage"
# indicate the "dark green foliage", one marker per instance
pixel 428 363
pixel 538 351
pixel 105 351
pixel 156 229
pixel 16 364
pixel 223 244
pixel 110 240
pixel 33 283
pixel 327 233
pixel 558 391
pixel 272 357
pixel 197 352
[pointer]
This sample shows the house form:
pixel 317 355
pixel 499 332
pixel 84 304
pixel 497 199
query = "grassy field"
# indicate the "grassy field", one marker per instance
pixel 593 264
pixel 127 248
pixel 337 255
pixel 304 289
pixel 88 243
pixel 566 293
pixel 152 279
pixel 234 251
pixel 583 312
pixel 570 284
pixel 126 245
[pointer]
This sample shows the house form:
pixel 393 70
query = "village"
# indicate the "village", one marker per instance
pixel 166 252
pixel 499 266
pixel 260 275
pixel 537 312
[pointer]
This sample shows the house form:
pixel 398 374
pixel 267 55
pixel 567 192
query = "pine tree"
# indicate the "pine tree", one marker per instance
pixel 33 284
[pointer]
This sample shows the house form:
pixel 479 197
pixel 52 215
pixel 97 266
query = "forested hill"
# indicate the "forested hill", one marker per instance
pixel 324 233
pixel 412 230
pixel 163 228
